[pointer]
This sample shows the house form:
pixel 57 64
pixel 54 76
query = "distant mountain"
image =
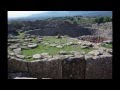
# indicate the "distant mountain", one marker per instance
pixel 64 13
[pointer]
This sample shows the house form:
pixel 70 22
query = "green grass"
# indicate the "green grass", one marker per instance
pixel 107 45
pixel 54 50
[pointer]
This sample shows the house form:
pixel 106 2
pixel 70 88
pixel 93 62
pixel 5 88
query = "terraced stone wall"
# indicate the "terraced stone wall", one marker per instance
pixel 67 68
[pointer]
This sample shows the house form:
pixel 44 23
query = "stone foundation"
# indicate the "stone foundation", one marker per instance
pixel 66 68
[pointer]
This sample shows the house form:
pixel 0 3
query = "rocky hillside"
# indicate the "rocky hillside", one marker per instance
pixel 71 26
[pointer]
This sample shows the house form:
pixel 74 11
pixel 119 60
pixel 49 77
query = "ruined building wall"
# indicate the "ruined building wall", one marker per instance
pixel 68 68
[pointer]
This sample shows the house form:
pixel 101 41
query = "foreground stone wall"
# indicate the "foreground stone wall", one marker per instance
pixel 73 68
pixel 46 69
pixel 17 65
pixel 99 67
pixel 66 68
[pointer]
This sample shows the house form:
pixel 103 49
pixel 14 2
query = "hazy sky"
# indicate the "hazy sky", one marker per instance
pixel 13 14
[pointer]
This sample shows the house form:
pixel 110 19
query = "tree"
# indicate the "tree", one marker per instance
pixel 99 20
pixel 21 36
pixel 107 19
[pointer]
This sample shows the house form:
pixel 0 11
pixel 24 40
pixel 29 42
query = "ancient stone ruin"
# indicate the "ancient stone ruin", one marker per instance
pixel 96 64
pixel 59 49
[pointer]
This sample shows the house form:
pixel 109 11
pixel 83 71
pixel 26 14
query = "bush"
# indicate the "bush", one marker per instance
pixel 103 19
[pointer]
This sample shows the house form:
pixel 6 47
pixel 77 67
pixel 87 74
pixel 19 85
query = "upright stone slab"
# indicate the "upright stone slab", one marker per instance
pixel 17 65
pixel 36 68
pixel 46 69
pixel 73 68
pixel 53 69
pixel 99 67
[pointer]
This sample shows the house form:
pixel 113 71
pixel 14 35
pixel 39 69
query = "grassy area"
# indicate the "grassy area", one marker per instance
pixel 107 45
pixel 54 50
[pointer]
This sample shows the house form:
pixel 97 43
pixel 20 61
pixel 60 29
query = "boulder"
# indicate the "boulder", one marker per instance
pixel 24 78
pixel 37 56
pixel 17 51
pixel 24 47
pixel 32 45
pixel 45 55
pixel 95 52
pixel 69 43
pixel 108 42
pixel 28 39
pixel 59 46
pixel 13 46
pixel 53 45
pixel 109 51
pixel 11 54
pixel 63 53
pixel 84 47
pixel 20 56
pixel 13 40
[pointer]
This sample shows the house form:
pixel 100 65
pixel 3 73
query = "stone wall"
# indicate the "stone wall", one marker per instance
pixel 17 65
pixel 66 68
pixel 99 67
pixel 46 69
pixel 73 68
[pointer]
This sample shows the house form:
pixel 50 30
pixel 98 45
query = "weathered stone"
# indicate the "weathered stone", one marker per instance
pixel 11 54
pixel 108 41
pixel 17 51
pixel 32 45
pixel 99 67
pixel 45 55
pixel 53 45
pixel 20 56
pixel 69 43
pixel 46 78
pixel 37 56
pixel 24 78
pixel 24 47
pixel 13 46
pixel 109 51
pixel 84 47
pixel 13 40
pixel 28 39
pixel 73 68
pixel 63 53
pixel 46 69
pixel 15 65
pixel 59 46
pixel 95 52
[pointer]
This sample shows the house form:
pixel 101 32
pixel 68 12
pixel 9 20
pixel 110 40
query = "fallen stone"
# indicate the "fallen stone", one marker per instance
pixel 13 40
pixel 13 46
pixel 11 54
pixel 17 51
pixel 28 39
pixel 108 42
pixel 32 45
pixel 95 52
pixel 20 56
pixel 59 46
pixel 24 78
pixel 53 45
pixel 84 47
pixel 63 53
pixel 37 56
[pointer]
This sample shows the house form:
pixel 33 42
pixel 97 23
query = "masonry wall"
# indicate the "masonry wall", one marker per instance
pixel 99 67
pixel 69 68
pixel 46 69
pixel 73 68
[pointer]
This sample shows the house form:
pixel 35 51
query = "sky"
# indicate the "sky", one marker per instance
pixel 14 14
pixel 18 14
